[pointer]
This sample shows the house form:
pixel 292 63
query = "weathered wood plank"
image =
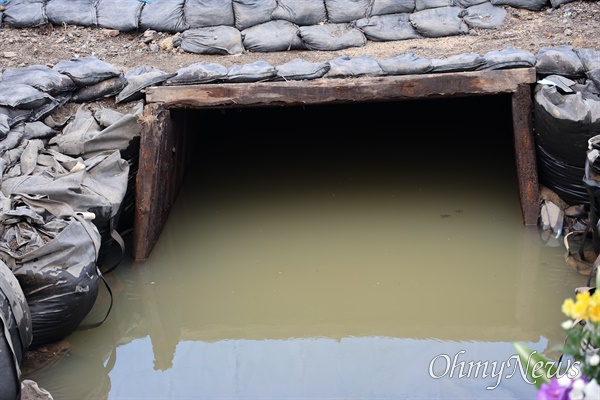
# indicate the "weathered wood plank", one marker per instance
pixel 153 193
pixel 525 154
pixel 325 91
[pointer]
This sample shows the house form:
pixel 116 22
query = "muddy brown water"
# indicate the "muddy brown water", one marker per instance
pixel 340 252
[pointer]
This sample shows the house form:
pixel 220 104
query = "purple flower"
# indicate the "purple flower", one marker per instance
pixel 553 391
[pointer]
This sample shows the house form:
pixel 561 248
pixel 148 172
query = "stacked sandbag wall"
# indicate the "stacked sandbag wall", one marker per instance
pixel 54 185
pixel 237 26
pixel 63 180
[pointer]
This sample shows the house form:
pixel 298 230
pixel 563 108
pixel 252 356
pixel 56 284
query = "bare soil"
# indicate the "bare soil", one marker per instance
pixel 576 24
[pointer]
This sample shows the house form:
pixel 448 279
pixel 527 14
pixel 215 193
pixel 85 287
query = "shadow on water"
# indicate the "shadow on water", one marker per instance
pixel 332 252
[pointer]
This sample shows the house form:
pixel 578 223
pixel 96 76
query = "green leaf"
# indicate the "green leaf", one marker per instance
pixel 538 368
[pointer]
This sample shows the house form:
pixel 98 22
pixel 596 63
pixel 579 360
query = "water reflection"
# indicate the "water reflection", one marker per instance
pixel 334 271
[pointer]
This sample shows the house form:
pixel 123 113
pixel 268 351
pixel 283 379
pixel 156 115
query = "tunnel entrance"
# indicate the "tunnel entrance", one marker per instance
pixel 310 133
pixel 300 143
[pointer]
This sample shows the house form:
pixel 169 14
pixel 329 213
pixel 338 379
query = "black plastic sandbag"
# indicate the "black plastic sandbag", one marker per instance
pixel 509 57
pixel 277 35
pixel 40 77
pixel 96 185
pixel 4 126
pixel 217 40
pixel 87 71
pixel 469 3
pixel 439 22
pixel 347 67
pixel 204 13
pixel 533 5
pixel 562 178
pixel 558 3
pixel 589 58
pixel 72 12
pixel 300 69
pixel 23 96
pixel 15 333
pixel 197 73
pixel 25 13
pixel 485 16
pixel 591 64
pixel 421 5
pixel 591 179
pixel 140 78
pixel 15 116
pixel 406 64
pixel 92 133
pixel 387 27
pixel 107 88
pixel 252 12
pixel 594 76
pixel 559 60
pixel 89 134
pixel 122 15
pixel 163 16
pixel 52 251
pixel 564 122
pixel 341 11
pixel 330 37
pixel 383 7
pixel 257 71
pixel 301 12
pixel 458 63
pixel 26 130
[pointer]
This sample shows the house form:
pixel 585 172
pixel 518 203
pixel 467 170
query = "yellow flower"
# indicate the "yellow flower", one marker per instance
pixel 586 307
pixel 595 307
pixel 567 307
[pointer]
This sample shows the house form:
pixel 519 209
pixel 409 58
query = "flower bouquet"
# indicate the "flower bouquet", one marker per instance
pixel 580 380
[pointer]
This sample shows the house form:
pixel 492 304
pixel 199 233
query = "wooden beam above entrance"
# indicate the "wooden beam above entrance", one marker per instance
pixel 334 90
pixel 163 155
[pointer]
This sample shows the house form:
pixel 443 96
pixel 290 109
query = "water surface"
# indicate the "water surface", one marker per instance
pixel 315 259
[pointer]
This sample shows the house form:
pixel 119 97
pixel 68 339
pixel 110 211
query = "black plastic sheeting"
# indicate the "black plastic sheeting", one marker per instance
pixel 15 333
pixel 566 116
pixel 52 252
pixel 592 184
pixel 562 178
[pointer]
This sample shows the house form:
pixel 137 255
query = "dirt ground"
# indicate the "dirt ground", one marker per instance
pixel 576 24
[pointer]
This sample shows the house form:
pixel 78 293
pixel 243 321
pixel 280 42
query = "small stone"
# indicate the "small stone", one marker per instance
pixel 9 54
pixel 568 32
pixel 110 32
pixel 166 44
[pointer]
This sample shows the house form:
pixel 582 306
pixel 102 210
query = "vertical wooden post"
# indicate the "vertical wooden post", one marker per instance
pixel 154 196
pixel 525 154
